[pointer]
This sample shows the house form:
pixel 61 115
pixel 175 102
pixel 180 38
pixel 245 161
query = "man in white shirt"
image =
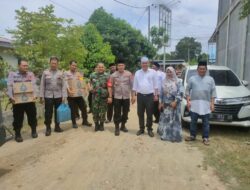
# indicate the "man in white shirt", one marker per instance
pixel 146 87
pixel 160 77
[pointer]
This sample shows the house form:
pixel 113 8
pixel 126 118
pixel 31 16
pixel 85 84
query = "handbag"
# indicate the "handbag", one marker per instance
pixel 63 113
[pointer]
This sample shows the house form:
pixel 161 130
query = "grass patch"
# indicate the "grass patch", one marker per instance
pixel 229 154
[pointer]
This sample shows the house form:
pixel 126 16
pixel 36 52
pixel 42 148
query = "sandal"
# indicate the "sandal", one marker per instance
pixel 190 138
pixel 205 141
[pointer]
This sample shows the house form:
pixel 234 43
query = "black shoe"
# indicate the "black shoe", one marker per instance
pixel 123 128
pixel 18 139
pixel 97 126
pixel 48 131
pixel 156 121
pixel 117 130
pixel 101 128
pixel 75 126
pixel 87 124
pixel 34 133
pixel 140 132
pixel 58 129
pixel 107 121
pixel 18 136
pixel 150 133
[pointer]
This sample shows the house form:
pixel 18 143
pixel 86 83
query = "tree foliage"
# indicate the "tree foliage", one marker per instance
pixel 245 9
pixel 41 34
pixel 188 47
pixel 125 41
pixel 159 37
pixel 97 49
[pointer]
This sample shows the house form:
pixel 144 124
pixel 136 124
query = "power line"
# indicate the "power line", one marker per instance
pixel 184 23
pixel 81 5
pixel 141 17
pixel 132 6
pixel 70 10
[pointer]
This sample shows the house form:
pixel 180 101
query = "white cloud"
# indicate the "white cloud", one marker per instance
pixel 195 18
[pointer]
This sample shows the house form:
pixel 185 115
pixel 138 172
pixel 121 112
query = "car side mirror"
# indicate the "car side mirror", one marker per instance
pixel 245 83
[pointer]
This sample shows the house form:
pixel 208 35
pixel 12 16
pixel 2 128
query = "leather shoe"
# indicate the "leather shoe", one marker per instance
pixel 58 129
pixel 19 139
pixel 87 124
pixel 150 133
pixel 48 132
pixel 139 132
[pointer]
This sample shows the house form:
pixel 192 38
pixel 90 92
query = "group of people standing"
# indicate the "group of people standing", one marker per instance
pixel 157 93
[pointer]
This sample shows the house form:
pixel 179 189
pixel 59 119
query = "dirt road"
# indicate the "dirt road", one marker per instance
pixel 83 159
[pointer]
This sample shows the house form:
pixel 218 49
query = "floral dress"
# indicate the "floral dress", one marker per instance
pixel 169 127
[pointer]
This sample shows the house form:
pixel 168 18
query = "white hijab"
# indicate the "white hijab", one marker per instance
pixel 170 83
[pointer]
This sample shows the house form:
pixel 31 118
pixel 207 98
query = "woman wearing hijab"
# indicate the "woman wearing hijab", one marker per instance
pixel 170 105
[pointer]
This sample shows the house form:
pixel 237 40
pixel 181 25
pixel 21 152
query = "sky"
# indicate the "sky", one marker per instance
pixel 192 18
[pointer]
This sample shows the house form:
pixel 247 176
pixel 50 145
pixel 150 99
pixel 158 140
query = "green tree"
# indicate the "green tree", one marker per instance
pixel 3 73
pixel 125 41
pixel 203 57
pixel 41 34
pixel 97 49
pixel 245 9
pixel 71 47
pixel 159 38
pixel 188 48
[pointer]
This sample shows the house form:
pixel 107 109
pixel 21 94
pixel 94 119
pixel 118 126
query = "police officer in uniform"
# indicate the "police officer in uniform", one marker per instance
pixel 112 69
pixel 102 94
pixel 122 85
pixel 53 92
pixel 21 102
pixel 75 87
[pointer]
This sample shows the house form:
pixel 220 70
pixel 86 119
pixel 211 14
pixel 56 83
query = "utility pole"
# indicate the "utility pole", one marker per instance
pixel 165 18
pixel 149 23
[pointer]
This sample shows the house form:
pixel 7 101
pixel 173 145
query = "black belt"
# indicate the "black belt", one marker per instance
pixel 151 94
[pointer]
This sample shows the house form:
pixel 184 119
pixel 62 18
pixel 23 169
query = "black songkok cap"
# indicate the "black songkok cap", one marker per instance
pixel 111 64
pixel 156 64
pixel 202 63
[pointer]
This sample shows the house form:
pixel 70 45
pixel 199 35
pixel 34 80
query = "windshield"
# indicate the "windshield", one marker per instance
pixel 221 77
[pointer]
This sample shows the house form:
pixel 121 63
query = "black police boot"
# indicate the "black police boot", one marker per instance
pixel 48 131
pixel 58 129
pixel 33 132
pixel 117 129
pixel 123 128
pixel 101 128
pixel 97 126
pixel 87 124
pixel 18 136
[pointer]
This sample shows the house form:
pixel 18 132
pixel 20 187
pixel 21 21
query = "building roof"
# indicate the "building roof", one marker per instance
pixel 6 43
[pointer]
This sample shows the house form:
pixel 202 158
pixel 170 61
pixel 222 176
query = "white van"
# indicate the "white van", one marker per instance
pixel 232 104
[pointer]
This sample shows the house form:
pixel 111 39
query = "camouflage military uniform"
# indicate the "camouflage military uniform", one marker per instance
pixel 100 83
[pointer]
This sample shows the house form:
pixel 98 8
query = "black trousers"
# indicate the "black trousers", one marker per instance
pixel 121 109
pixel 156 111
pixel 145 103
pixel 50 104
pixel 18 115
pixel 76 103
pixel 90 100
pixel 110 110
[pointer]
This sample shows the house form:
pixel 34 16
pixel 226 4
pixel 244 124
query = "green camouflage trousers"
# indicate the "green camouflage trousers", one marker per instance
pixel 99 109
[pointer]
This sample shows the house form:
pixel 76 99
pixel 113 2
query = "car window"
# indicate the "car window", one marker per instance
pixel 183 76
pixel 190 74
pixel 224 78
